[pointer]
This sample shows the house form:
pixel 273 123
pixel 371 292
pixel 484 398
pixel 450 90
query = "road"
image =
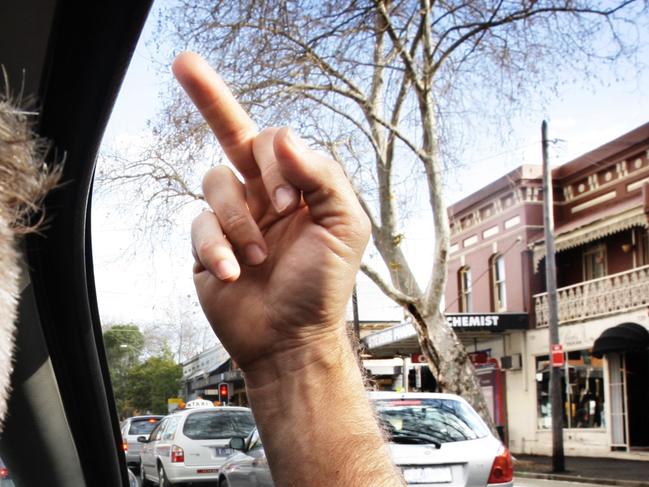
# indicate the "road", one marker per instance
pixel 520 482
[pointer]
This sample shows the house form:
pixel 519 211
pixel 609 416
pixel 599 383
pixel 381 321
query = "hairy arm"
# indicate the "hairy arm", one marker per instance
pixel 275 262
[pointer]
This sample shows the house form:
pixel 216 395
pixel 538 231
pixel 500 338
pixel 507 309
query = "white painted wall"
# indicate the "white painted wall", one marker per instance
pixel 524 437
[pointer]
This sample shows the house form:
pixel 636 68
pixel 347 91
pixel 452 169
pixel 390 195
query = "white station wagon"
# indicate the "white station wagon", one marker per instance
pixel 191 444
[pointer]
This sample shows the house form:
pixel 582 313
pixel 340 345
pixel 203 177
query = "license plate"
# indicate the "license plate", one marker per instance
pixel 427 475
pixel 223 452
pixel 207 470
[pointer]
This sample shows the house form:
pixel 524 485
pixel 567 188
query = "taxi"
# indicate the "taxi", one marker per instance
pixel 191 444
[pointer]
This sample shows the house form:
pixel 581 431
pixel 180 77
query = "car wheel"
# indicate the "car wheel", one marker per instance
pixel 144 482
pixel 224 482
pixel 163 481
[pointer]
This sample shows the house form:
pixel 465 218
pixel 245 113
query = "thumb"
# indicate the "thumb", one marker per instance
pixel 325 188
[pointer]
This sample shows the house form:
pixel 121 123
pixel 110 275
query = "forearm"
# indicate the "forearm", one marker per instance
pixel 316 423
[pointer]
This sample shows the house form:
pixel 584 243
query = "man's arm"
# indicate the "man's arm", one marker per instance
pixel 276 260
pixel 316 422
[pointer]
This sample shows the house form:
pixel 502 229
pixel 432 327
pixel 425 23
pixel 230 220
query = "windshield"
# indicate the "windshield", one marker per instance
pixel 213 425
pixel 434 421
pixel 142 426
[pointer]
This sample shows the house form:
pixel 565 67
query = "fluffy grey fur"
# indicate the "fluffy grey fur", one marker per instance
pixel 24 180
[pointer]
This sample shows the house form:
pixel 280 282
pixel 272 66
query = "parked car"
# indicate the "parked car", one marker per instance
pixel 436 439
pixel 132 428
pixel 190 445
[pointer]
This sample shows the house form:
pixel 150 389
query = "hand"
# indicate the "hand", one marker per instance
pixel 277 256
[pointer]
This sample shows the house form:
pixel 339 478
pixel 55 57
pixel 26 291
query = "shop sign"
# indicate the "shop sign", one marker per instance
pixel 488 321
pixel 558 357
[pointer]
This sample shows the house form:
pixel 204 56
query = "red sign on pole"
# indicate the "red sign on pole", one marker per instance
pixel 418 358
pixel 558 357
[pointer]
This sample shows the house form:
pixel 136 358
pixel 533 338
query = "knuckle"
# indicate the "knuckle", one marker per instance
pixel 235 137
pixel 205 247
pixel 234 222
pixel 270 171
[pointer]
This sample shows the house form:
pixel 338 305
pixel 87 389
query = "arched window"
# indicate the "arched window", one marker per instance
pixel 498 289
pixel 464 276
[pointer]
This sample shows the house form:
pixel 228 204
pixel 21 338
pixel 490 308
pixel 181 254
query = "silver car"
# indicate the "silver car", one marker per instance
pixel 190 445
pixel 132 429
pixel 436 439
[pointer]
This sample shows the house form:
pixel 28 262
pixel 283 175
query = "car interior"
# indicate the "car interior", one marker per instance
pixel 69 58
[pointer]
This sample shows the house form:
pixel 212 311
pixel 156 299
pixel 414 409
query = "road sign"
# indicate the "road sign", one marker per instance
pixel 558 357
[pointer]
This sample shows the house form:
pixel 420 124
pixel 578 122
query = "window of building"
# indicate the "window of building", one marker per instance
pixel 643 239
pixel 498 290
pixel 582 396
pixel 594 262
pixel 466 304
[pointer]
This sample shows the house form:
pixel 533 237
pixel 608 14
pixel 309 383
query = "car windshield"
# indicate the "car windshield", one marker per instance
pixel 213 425
pixel 142 426
pixel 435 421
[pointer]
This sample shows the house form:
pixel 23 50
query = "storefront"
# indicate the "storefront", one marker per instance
pixel 605 392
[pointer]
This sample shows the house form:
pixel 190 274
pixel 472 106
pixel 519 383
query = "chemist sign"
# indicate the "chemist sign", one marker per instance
pixel 488 321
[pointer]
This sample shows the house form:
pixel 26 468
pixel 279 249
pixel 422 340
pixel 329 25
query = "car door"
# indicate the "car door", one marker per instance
pixel 259 469
pixel 148 453
pixel 238 467
pixel 165 438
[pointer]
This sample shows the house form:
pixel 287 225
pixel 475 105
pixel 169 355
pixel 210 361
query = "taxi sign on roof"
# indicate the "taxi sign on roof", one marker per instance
pixel 199 403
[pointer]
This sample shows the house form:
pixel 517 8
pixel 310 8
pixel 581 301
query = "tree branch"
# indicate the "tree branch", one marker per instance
pixel 387 289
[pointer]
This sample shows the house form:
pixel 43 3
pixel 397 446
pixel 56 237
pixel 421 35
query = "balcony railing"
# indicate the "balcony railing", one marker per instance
pixel 607 295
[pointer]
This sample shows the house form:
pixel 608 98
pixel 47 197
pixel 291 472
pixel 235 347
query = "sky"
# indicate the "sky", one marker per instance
pixel 145 286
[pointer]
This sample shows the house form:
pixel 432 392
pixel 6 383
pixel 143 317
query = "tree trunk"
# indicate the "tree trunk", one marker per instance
pixel 449 362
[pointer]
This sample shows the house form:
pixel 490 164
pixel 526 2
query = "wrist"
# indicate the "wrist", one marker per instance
pixel 320 355
pixel 314 415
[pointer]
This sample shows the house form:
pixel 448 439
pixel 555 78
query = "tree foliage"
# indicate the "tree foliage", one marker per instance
pixel 139 386
pixel 388 88
pixel 152 382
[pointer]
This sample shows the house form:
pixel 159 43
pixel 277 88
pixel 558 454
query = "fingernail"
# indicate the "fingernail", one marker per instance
pixel 284 197
pixel 296 141
pixel 225 269
pixel 254 254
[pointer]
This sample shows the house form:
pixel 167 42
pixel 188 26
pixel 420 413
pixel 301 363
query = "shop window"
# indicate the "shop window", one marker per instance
pixel 498 290
pixel 582 396
pixel 466 304
pixel 594 262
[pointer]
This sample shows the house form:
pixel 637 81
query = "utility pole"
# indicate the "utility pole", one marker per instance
pixel 357 328
pixel 558 461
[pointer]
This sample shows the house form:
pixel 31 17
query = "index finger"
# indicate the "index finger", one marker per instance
pixel 232 126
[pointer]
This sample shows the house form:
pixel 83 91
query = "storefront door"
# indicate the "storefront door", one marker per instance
pixel 617 388
pixel 637 380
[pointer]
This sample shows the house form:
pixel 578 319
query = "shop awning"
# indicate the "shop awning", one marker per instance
pixel 585 230
pixel 627 337
pixel 402 339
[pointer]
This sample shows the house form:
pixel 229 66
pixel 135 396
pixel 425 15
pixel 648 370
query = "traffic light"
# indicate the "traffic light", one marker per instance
pixel 224 392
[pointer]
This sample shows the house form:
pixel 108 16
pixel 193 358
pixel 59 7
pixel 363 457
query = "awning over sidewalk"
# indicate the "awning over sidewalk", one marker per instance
pixel 402 339
pixel 627 337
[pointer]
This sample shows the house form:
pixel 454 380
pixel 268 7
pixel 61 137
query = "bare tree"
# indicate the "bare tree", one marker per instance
pixel 385 87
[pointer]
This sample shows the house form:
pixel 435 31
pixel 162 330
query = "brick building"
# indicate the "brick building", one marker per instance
pixel 601 203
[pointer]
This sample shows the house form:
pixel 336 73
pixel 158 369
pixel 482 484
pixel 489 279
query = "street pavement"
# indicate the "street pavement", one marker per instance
pixel 599 471
pixel 518 482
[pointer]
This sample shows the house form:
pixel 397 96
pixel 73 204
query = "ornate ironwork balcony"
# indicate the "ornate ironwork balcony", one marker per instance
pixel 604 296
